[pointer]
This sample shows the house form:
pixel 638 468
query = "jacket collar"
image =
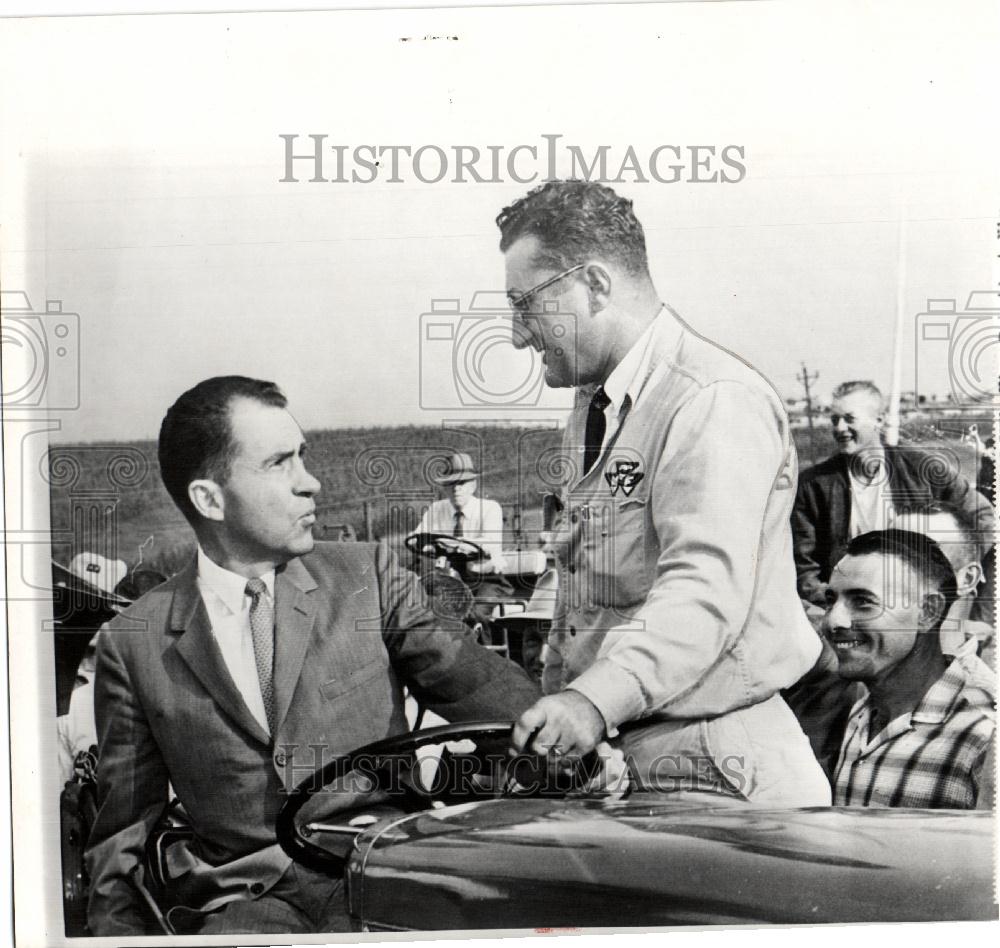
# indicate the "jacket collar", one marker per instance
pixel 295 615
pixel 657 352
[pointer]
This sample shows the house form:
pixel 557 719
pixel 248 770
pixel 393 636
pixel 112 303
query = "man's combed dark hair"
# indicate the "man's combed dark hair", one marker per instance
pixel 196 438
pixel 918 551
pixel 574 220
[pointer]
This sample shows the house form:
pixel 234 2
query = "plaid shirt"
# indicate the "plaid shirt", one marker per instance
pixel 930 757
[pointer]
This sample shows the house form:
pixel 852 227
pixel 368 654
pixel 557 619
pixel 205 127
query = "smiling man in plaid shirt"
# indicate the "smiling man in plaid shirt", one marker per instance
pixel 922 734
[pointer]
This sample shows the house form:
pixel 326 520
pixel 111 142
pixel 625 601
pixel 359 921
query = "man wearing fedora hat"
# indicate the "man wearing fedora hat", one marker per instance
pixel 461 514
pixel 464 515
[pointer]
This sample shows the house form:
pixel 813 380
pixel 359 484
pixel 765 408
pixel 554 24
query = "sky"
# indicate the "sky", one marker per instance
pixel 145 193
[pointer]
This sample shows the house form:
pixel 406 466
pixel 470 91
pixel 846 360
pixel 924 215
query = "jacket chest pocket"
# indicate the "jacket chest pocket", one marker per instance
pixel 610 553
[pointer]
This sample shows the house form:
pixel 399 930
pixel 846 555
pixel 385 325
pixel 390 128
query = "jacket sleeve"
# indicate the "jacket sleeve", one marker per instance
pixel 960 493
pixel 132 792
pixel 709 496
pixel 439 658
pixel 805 516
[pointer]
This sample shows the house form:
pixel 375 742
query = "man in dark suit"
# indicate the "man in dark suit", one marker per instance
pixel 264 658
pixel 862 487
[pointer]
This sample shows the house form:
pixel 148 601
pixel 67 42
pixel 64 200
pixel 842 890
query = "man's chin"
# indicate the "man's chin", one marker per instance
pixel 852 668
pixel 559 377
pixel 304 544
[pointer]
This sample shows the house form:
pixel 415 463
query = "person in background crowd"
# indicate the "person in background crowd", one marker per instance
pixel 463 515
pixel 985 605
pixel 822 700
pixel 921 735
pixel 965 549
pixel 986 456
pixel 862 486
pixel 677 621
pixel 224 681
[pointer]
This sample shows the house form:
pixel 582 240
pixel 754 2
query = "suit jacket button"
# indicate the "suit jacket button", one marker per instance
pixel 257 888
pixel 572 630
pixel 280 759
pixel 572 568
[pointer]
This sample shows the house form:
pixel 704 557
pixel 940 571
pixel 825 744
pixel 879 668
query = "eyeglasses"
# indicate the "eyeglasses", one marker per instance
pixel 522 304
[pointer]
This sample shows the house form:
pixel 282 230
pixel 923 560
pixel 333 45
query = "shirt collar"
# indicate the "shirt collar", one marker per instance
pixel 628 377
pixel 229 587
pixel 936 705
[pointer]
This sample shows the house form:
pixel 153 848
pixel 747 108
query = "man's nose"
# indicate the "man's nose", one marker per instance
pixel 520 335
pixel 838 616
pixel 306 484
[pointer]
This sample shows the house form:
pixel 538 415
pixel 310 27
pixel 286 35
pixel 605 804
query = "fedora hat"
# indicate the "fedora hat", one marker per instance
pixel 459 467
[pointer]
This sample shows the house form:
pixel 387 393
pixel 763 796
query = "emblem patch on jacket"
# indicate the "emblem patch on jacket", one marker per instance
pixel 623 474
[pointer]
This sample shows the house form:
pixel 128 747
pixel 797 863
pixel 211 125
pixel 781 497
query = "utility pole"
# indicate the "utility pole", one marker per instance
pixel 805 378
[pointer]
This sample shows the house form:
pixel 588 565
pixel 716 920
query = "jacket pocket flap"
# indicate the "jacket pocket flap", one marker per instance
pixel 351 680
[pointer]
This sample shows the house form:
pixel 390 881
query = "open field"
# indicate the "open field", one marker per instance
pixel 108 498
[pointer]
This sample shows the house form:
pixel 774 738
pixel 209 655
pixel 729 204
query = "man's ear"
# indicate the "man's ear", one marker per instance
pixel 932 610
pixel 599 285
pixel 206 497
pixel 969 578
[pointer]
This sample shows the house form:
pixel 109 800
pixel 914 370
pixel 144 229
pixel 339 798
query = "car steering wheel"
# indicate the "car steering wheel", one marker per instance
pixel 444 544
pixel 541 781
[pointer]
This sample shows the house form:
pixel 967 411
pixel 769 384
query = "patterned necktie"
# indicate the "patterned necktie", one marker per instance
pixel 596 426
pixel 459 517
pixel 262 629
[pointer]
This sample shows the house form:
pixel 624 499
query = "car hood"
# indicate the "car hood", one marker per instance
pixel 653 862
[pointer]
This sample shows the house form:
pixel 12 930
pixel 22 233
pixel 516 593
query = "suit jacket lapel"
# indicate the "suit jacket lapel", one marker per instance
pixel 197 646
pixel 295 615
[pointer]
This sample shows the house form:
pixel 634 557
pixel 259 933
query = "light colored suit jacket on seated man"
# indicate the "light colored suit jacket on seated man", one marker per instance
pixel 351 627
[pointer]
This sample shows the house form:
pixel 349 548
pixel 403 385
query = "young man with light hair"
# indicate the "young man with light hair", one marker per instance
pixel 861 487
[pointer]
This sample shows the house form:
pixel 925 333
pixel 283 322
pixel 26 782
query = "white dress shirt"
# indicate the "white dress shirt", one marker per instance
pixel 228 606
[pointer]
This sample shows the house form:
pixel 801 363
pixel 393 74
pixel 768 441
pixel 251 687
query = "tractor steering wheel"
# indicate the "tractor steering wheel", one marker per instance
pixel 433 545
pixel 523 776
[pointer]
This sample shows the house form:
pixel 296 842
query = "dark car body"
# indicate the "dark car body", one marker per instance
pixel 668 861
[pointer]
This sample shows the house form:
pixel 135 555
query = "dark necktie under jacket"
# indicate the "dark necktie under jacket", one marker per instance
pixel 596 427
